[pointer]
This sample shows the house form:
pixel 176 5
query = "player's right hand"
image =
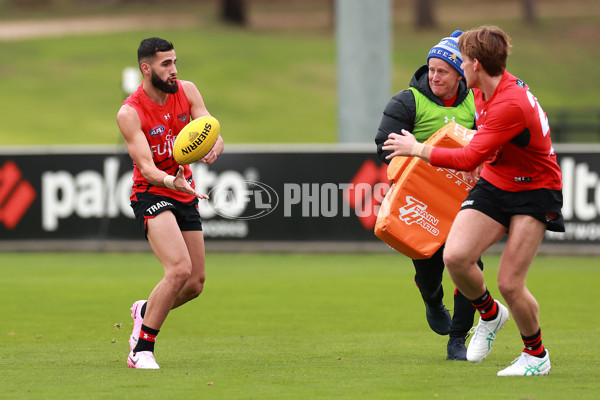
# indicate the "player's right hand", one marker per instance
pixel 182 185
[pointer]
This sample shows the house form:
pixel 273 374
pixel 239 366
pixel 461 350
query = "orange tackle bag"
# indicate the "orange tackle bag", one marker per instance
pixel 419 208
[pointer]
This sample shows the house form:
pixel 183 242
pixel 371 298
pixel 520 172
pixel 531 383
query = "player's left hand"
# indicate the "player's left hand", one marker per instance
pixel 210 157
pixel 214 152
pixel 399 145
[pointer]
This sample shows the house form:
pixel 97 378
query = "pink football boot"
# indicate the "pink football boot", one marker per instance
pixel 136 308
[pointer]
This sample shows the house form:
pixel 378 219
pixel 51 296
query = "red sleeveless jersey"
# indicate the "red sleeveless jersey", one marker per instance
pixel 513 138
pixel 161 125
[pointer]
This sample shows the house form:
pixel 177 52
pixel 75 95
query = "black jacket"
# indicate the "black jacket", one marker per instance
pixel 400 112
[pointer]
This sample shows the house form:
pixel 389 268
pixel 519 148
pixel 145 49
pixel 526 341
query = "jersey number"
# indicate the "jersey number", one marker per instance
pixel 541 114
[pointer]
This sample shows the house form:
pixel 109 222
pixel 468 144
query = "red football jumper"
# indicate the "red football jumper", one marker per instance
pixel 161 125
pixel 513 138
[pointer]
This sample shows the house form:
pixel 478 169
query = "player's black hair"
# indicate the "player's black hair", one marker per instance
pixel 149 47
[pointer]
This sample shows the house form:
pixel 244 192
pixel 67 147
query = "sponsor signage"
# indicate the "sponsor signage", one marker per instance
pixel 325 193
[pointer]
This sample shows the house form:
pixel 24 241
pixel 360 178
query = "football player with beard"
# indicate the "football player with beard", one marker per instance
pixel 163 198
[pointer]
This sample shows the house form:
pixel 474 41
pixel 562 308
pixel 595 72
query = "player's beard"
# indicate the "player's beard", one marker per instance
pixel 165 86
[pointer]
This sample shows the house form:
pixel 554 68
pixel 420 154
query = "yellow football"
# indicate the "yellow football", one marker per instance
pixel 196 139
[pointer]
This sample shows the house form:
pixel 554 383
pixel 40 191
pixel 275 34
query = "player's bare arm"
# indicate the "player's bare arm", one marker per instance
pixel 198 109
pixel 137 146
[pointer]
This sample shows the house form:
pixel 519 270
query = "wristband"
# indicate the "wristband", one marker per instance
pixel 417 149
pixel 168 181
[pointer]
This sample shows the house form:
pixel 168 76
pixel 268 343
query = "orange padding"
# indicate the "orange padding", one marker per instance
pixel 418 210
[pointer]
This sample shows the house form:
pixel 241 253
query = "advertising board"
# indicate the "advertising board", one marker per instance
pixel 304 193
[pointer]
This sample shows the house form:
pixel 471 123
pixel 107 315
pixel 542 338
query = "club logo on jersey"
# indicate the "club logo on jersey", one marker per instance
pixel 183 117
pixel 157 131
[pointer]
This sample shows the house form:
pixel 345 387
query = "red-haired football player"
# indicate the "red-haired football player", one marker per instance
pixel 164 200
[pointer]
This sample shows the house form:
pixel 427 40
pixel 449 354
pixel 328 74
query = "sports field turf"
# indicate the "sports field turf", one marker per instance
pixel 276 327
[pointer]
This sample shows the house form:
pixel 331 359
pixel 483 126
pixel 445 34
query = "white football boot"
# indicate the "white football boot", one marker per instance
pixel 528 365
pixel 484 335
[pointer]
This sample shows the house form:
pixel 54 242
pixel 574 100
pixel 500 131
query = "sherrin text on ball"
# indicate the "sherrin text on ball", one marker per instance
pixel 196 139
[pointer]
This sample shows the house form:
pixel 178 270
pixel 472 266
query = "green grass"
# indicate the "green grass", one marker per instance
pixel 276 327
pixel 557 81
pixel 263 85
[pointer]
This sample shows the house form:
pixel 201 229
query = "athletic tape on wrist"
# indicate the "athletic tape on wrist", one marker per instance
pixel 417 149
pixel 168 181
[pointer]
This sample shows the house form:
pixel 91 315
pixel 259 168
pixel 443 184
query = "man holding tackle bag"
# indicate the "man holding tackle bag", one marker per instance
pixel 437 94
pixel 519 193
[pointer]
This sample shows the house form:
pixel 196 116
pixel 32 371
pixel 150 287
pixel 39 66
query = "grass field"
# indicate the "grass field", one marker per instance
pixel 272 326
pixel 272 85
pixel 276 327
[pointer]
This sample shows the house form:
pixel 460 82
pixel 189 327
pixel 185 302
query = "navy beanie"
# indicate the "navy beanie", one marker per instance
pixel 447 50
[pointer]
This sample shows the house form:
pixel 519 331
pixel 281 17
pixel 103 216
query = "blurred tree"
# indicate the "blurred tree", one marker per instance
pixel 425 17
pixel 234 12
pixel 529 11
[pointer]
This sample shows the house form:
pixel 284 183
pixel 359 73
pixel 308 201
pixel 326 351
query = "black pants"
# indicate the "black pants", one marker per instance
pixel 428 277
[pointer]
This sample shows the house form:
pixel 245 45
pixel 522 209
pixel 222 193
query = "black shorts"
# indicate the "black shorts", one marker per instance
pixel 150 205
pixel 500 205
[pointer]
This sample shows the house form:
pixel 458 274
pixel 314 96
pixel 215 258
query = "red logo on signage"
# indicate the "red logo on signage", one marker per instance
pixel 16 195
pixel 367 189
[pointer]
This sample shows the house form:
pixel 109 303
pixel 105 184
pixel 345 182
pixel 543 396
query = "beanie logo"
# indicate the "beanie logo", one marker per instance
pixel 447 50
pixel 444 55
pixel 449 43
